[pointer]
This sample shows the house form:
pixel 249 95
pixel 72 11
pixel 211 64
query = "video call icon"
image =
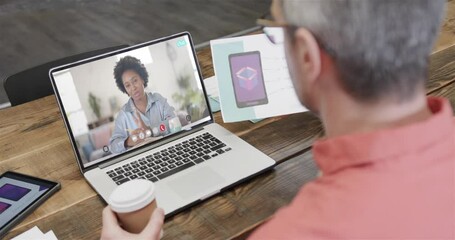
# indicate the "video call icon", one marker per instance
pixel 181 43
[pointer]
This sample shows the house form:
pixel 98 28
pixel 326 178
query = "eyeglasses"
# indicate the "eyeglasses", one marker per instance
pixel 274 32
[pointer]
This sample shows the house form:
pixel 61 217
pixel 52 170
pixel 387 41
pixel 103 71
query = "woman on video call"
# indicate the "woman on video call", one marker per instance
pixel 143 116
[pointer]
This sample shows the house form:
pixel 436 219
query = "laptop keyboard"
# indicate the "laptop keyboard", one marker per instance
pixel 174 159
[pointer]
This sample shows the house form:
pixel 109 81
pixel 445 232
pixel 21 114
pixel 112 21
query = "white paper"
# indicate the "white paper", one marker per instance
pixel 50 236
pixel 281 95
pixel 33 233
pixel 211 86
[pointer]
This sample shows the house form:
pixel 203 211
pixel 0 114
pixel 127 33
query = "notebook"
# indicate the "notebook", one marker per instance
pixel 143 112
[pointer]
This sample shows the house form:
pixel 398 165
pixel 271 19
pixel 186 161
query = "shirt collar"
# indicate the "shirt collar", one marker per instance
pixel 150 100
pixel 334 154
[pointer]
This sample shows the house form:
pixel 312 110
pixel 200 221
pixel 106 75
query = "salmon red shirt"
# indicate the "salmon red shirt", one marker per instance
pixel 396 183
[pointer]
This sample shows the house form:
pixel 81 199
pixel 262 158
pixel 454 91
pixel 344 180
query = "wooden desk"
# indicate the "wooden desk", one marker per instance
pixel 33 140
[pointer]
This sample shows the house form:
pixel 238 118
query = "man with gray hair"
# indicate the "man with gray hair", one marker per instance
pixel 388 159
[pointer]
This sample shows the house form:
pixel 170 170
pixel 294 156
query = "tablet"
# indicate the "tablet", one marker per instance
pixel 20 195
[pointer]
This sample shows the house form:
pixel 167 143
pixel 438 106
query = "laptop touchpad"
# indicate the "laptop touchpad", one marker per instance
pixel 196 182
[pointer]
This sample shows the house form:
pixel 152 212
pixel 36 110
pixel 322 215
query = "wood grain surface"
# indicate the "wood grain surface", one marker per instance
pixel 447 34
pixel 33 141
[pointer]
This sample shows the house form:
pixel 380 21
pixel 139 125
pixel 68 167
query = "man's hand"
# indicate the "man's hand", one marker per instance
pixel 112 230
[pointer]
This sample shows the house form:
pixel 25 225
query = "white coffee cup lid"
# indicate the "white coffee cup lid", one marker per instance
pixel 132 195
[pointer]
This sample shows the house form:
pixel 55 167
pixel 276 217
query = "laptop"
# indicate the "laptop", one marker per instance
pixel 142 112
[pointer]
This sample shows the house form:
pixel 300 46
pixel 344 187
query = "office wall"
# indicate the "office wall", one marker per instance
pixel 98 79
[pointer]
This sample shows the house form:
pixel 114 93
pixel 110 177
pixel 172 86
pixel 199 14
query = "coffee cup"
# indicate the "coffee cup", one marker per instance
pixel 134 203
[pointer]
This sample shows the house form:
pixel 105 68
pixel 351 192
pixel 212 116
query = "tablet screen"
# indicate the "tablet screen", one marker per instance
pixel 18 192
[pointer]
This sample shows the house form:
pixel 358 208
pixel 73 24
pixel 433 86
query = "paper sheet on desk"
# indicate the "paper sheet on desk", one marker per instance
pixel 211 86
pixel 35 233
pixel 282 99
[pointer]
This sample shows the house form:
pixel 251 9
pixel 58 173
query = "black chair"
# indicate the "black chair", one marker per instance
pixel 34 83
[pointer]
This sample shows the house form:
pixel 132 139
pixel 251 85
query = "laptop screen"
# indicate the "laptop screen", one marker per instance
pixel 135 97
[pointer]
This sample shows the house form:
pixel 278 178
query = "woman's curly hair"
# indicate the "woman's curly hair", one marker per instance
pixel 129 63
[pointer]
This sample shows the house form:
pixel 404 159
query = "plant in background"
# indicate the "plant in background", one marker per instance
pixel 94 104
pixel 191 100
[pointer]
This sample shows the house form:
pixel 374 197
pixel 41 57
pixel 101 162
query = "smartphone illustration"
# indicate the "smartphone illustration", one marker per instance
pixel 248 79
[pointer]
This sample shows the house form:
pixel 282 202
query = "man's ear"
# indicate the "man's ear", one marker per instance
pixel 308 54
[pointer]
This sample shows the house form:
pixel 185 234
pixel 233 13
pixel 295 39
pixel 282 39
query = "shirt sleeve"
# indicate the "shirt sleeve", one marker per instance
pixel 119 135
pixel 299 220
pixel 279 227
pixel 312 214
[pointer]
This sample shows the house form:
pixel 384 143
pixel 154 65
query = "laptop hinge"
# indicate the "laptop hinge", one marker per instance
pixel 145 149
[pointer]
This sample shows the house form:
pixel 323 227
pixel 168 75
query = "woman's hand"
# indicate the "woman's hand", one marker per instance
pixel 138 120
pixel 134 138
pixel 138 135
pixel 112 230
